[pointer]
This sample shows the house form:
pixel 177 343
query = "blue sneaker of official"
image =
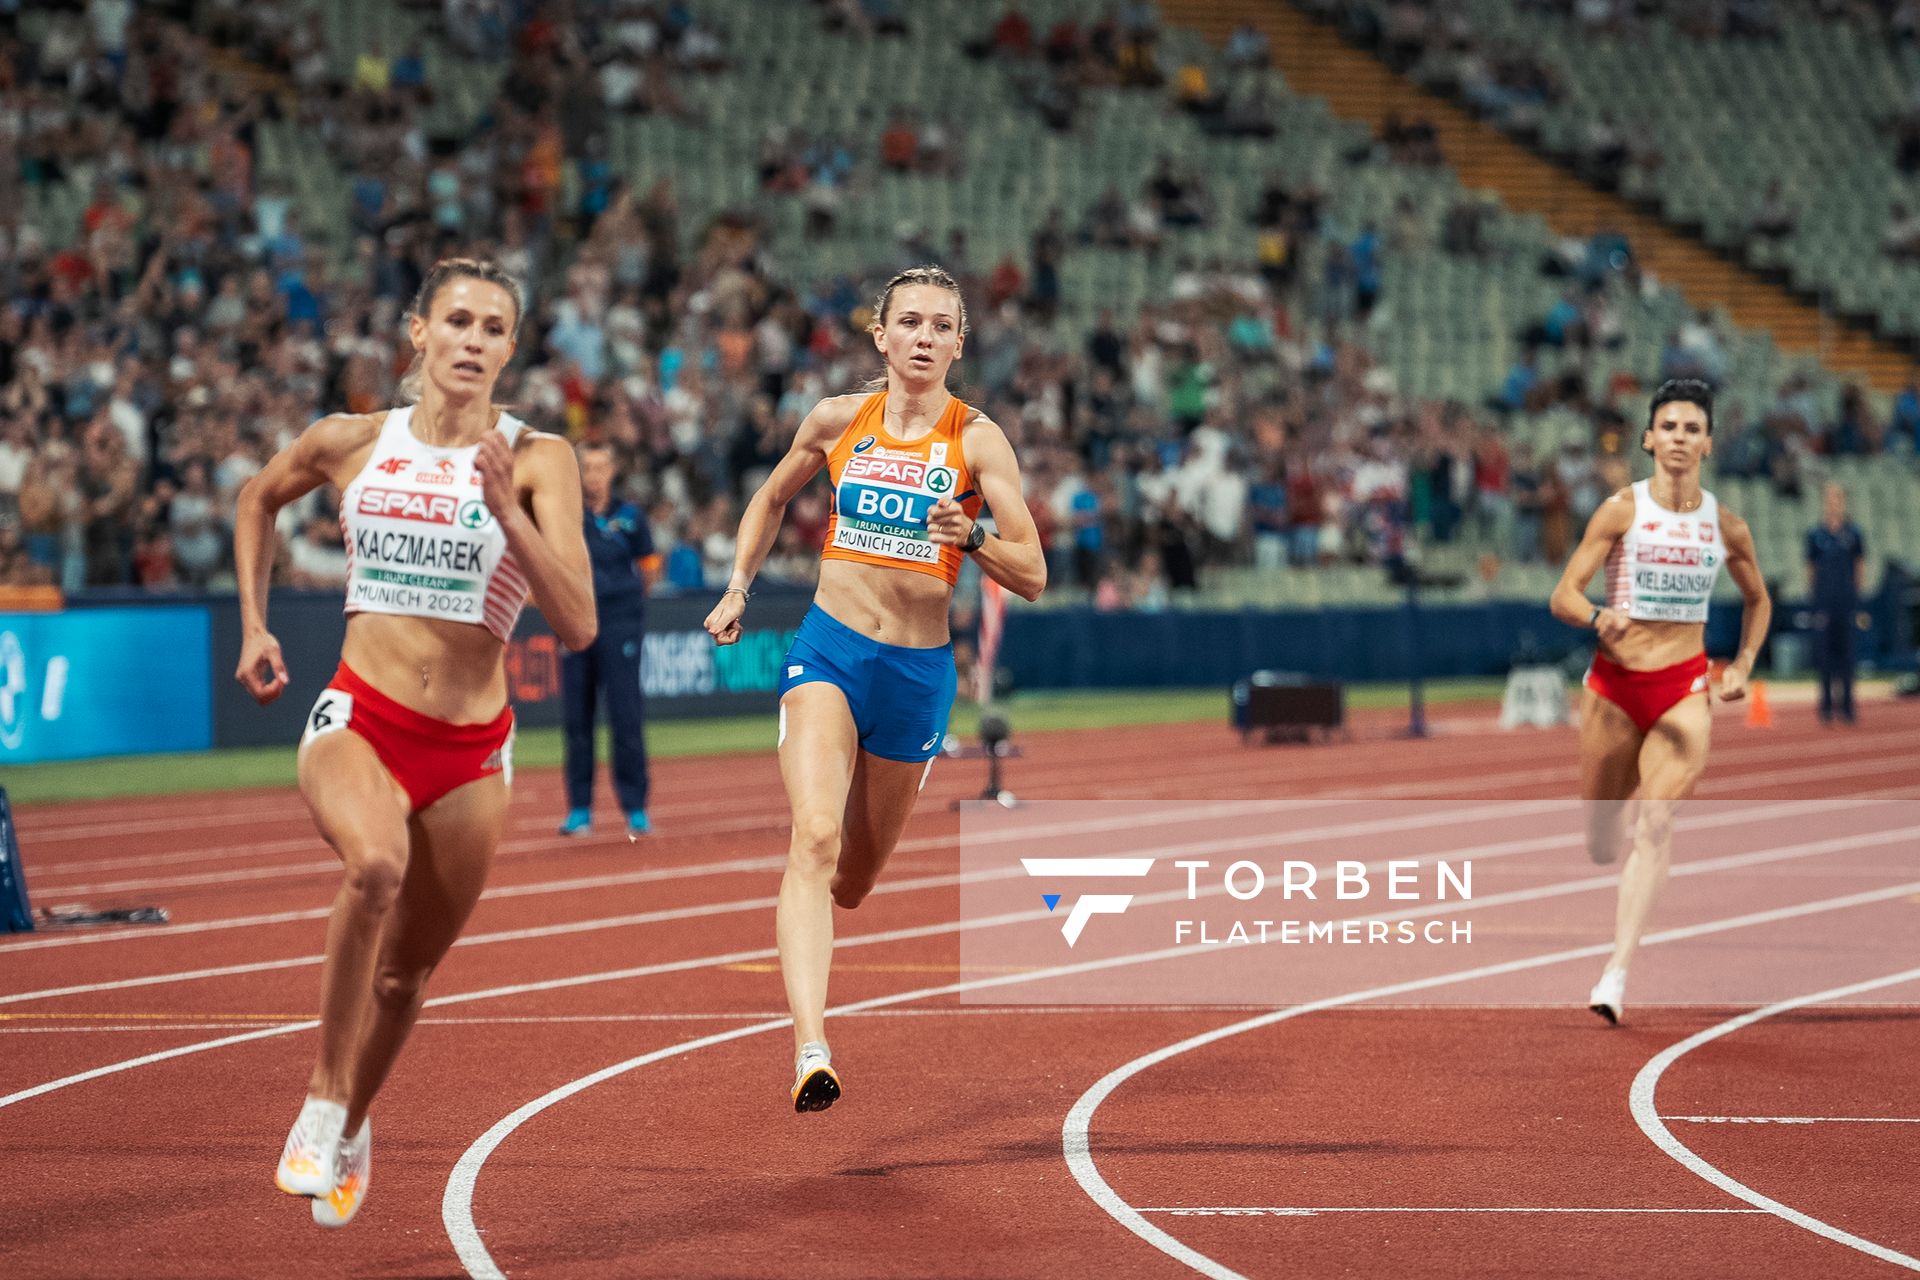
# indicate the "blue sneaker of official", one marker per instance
pixel 579 822
pixel 638 823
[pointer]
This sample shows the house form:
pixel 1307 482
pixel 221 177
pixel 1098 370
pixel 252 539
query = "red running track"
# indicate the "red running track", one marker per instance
pixel 1462 1141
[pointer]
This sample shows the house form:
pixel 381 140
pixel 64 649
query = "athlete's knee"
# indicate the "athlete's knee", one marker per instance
pixel 816 843
pixel 399 987
pixel 374 876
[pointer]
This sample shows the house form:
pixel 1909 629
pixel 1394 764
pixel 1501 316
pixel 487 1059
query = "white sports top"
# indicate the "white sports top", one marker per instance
pixel 1664 566
pixel 420 540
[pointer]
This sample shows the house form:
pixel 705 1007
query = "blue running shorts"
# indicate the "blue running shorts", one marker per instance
pixel 900 697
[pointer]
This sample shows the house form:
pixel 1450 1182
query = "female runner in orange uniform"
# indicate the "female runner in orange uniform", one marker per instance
pixel 869 681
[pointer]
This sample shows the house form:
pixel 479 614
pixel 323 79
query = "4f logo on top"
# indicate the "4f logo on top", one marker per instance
pixel 1089 904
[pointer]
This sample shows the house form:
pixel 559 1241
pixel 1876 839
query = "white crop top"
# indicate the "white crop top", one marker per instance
pixel 420 540
pixel 1664 567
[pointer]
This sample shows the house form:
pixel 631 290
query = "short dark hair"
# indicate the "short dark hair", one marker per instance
pixel 1684 391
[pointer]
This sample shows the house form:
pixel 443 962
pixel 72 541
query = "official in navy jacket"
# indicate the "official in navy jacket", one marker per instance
pixel 621 547
pixel 1836 561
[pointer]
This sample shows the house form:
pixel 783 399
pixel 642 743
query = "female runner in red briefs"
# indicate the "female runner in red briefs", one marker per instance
pixel 1644 721
pixel 453 511
pixel 866 688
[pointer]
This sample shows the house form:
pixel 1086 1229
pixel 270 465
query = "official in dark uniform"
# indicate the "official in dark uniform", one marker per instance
pixel 1836 561
pixel 621 546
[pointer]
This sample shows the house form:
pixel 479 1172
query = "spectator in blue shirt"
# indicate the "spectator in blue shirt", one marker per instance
pixel 619 543
pixel 1836 561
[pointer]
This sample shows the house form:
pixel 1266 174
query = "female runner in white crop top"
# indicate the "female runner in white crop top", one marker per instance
pixel 454 512
pixel 1644 720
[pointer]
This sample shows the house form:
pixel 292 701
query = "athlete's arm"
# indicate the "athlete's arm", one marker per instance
pixel 545 534
pixel 297 470
pixel 1569 601
pixel 1757 617
pixel 1012 556
pixel 760 522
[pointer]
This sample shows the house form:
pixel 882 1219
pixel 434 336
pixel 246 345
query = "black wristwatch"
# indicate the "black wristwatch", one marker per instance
pixel 1594 621
pixel 976 538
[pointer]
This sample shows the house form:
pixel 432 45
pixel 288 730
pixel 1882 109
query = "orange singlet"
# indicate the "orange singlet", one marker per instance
pixel 884 487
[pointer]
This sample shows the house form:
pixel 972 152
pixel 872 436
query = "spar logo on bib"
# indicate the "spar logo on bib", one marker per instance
pixel 397 504
pixel 474 514
pixel 940 480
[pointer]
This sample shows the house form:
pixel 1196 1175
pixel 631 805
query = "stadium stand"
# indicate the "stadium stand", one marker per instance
pixel 1248 350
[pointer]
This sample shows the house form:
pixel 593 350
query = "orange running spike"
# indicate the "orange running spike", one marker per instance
pixel 1759 714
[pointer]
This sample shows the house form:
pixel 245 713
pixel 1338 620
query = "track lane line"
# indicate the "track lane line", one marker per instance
pixel 1640 1101
pixel 910 933
pixel 1075 1136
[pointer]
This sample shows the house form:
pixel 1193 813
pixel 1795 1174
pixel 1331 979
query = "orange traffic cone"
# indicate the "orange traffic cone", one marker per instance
pixel 1759 714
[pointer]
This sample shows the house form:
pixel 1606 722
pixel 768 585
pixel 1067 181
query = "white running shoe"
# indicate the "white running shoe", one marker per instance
pixel 815 1085
pixel 352 1175
pixel 306 1165
pixel 1609 996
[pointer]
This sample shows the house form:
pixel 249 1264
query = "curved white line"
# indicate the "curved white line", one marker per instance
pixel 1074 1136
pixel 1640 1101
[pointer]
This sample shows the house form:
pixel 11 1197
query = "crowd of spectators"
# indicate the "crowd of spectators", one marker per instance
pixel 196 324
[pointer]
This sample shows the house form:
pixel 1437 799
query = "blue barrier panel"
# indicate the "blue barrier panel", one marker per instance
pixel 104 682
pixel 16 915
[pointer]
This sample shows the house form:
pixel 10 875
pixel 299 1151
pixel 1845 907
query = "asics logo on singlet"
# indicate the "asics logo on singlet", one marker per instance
pixel 393 466
pixel 1087 905
pixel 434 508
pixel 865 443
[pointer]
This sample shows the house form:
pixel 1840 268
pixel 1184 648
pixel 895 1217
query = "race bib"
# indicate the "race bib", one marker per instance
pixel 331 710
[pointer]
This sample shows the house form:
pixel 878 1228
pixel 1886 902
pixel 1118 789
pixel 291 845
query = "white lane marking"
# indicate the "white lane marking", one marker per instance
pixel 1640 1101
pixel 998 836
pixel 676 966
pixel 651 875
pixel 1796 1119
pixel 281 871
pixel 1309 1211
pixel 665 915
pixel 1074 1135
pixel 1335 772
pixel 456 1206
pixel 746 864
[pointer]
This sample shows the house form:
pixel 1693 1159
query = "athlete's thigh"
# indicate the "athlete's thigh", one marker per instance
pixel 818 747
pixel 356 803
pixel 454 840
pixel 1609 750
pixel 1676 750
pixel 878 806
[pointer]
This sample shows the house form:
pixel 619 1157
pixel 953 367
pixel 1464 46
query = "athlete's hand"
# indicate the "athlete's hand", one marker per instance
pixel 723 624
pixel 947 524
pixel 1611 626
pixel 262 671
pixel 494 463
pixel 1733 682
